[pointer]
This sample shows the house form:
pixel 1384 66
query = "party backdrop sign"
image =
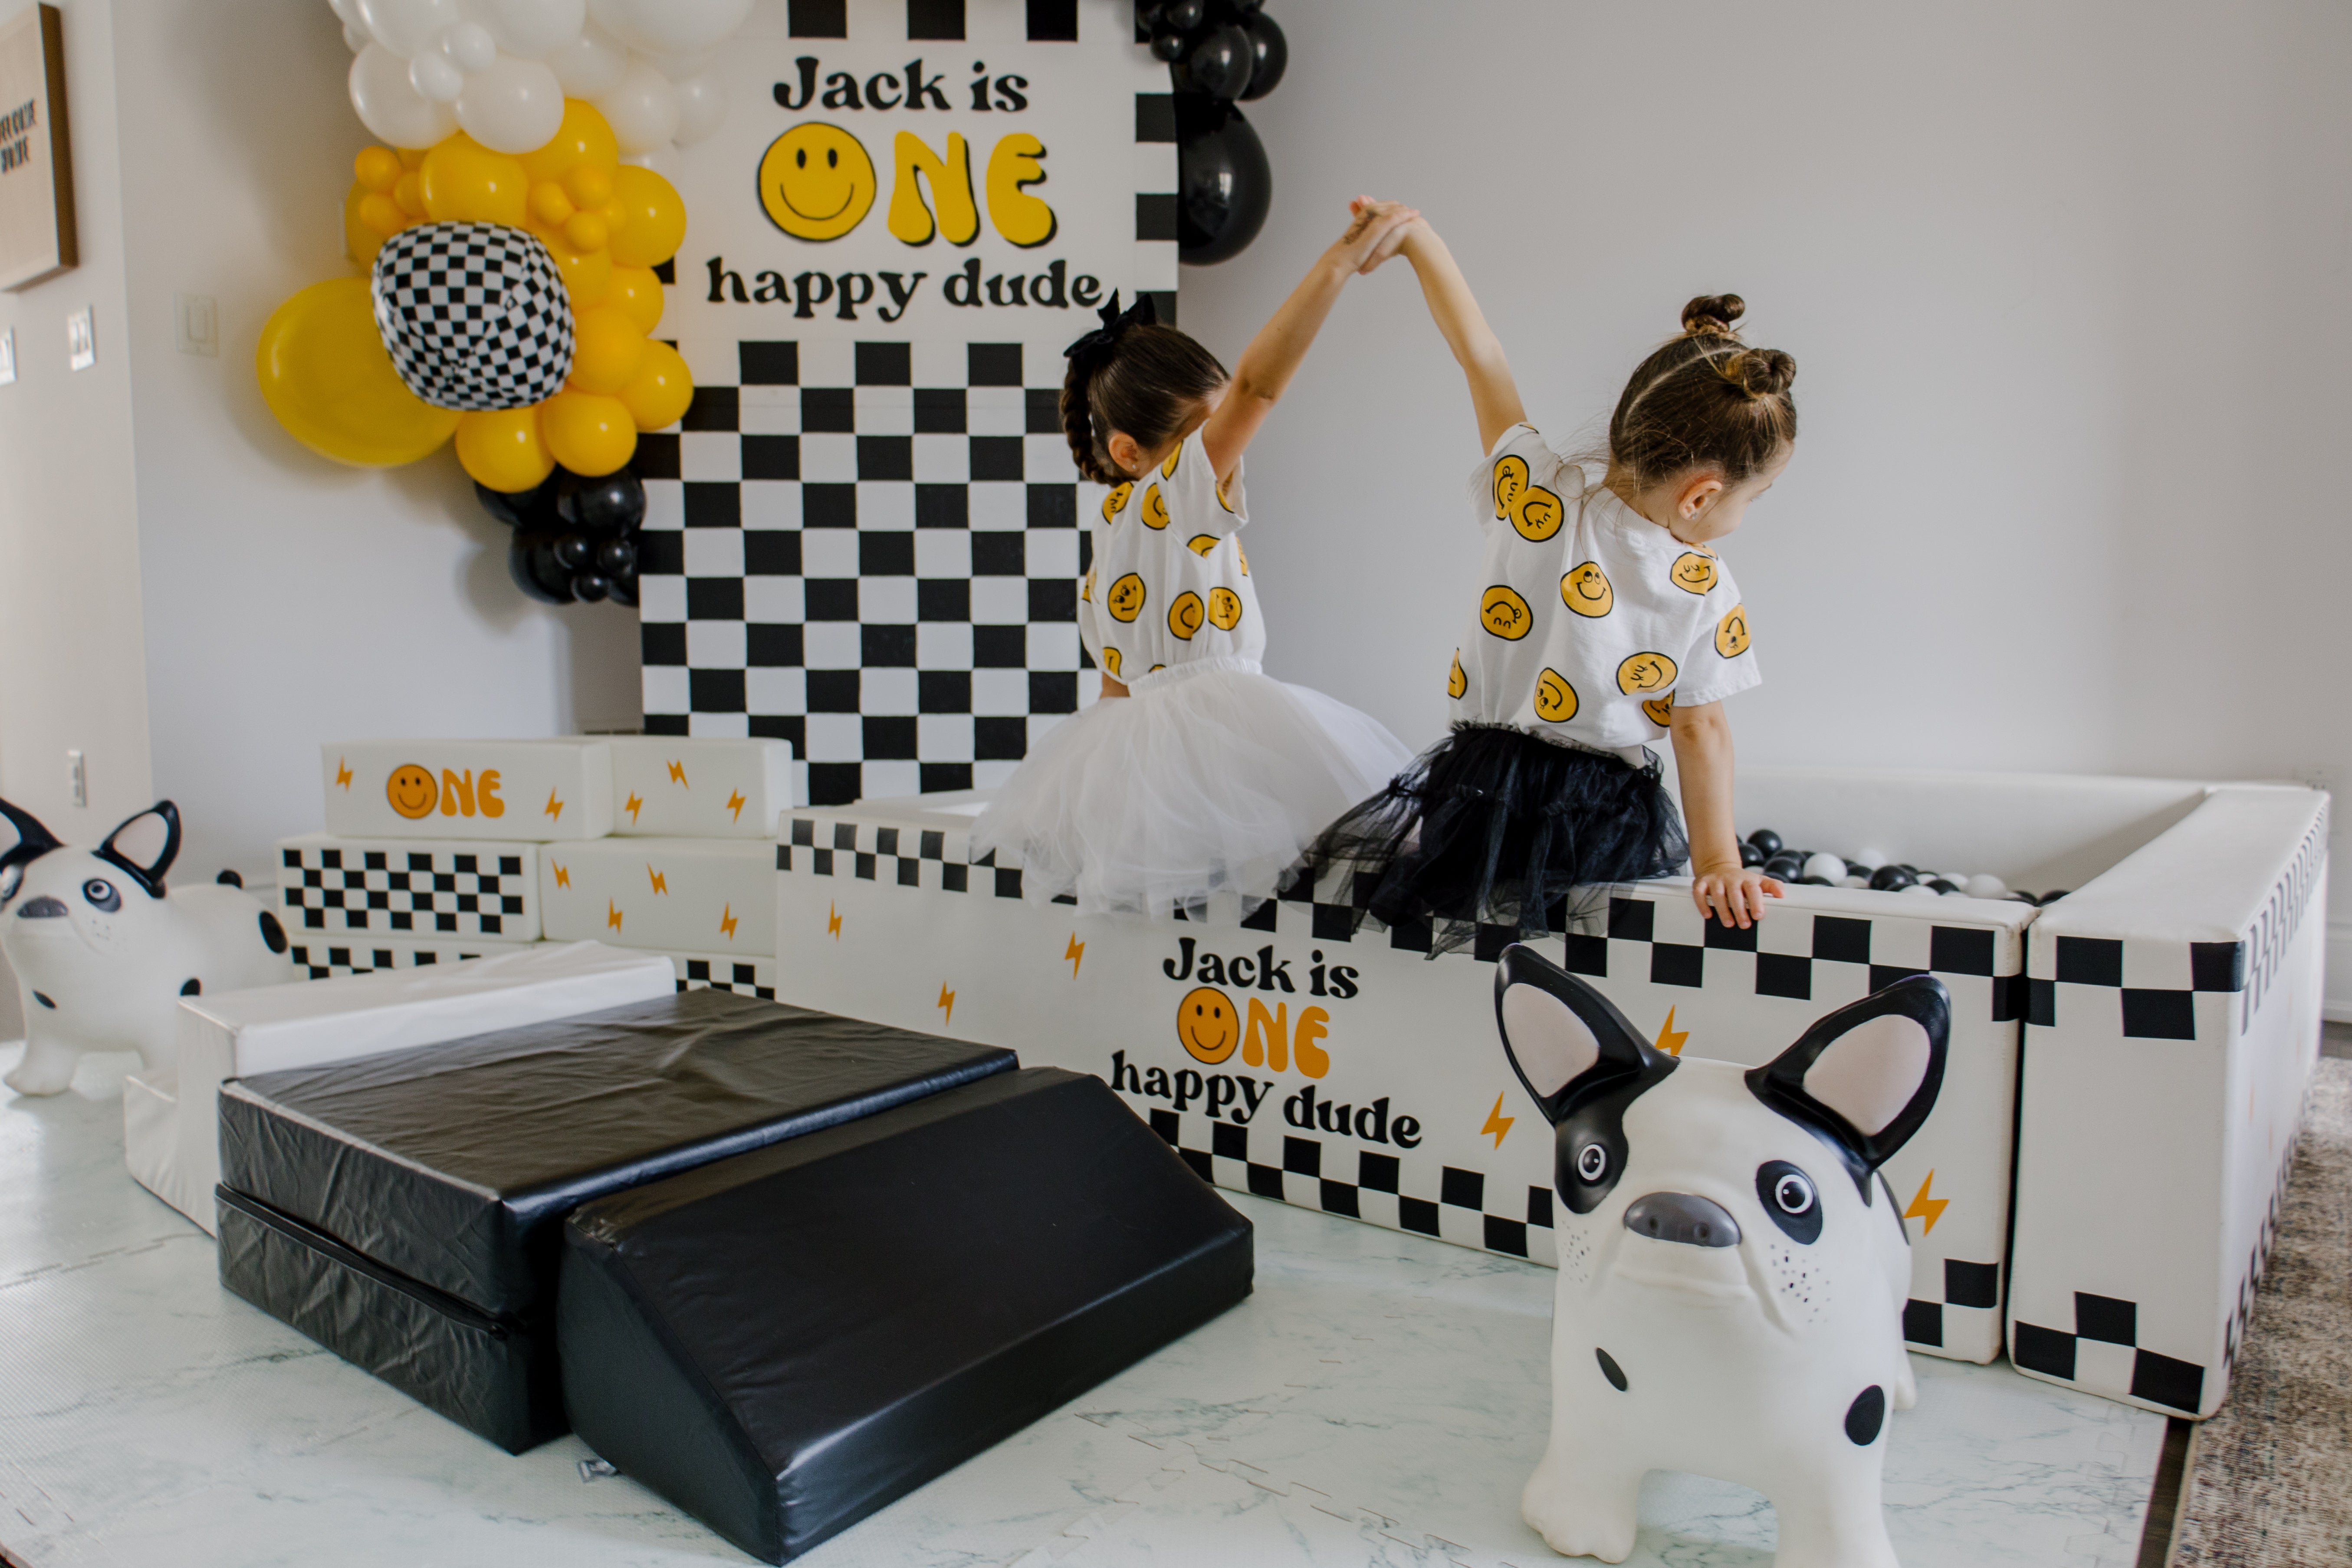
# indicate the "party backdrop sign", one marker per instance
pixel 36 205
pixel 863 538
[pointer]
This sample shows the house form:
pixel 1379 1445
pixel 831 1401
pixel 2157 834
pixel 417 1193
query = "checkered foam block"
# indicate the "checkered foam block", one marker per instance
pixel 475 315
pixel 744 977
pixel 328 961
pixel 422 893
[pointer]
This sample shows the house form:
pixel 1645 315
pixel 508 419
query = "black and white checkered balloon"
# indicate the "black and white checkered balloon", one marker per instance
pixel 475 315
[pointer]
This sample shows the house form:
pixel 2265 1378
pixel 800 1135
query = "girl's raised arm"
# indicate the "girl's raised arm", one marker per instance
pixel 1494 395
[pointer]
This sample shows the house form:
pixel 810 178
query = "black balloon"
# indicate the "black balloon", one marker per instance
pixel 592 588
pixel 1269 54
pixel 1168 47
pixel 533 508
pixel 530 561
pixel 624 590
pixel 1184 16
pixel 1219 64
pixel 1225 185
pixel 617 558
pixel 607 504
pixel 575 551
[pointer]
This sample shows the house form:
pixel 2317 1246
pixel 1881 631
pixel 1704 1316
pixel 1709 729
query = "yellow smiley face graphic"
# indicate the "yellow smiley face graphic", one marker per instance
pixel 1456 683
pixel 411 791
pixel 1645 672
pixel 1554 698
pixel 1661 709
pixel 1510 483
pixel 1110 662
pixel 1168 468
pixel 1200 544
pixel 1502 611
pixel 1125 600
pixel 1537 514
pixel 1086 588
pixel 1586 591
pixel 1155 507
pixel 1207 1025
pixel 1184 615
pixel 817 182
pixel 1116 503
pixel 1242 556
pixel 1221 494
pixel 1224 610
pixel 1731 633
pixel 1693 572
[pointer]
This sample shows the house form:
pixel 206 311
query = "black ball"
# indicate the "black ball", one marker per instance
pixel 1182 15
pixel 624 590
pixel 590 587
pixel 617 558
pixel 1750 856
pixel 609 503
pixel 1269 54
pixel 1224 184
pixel 1892 878
pixel 1786 868
pixel 1767 840
pixel 530 561
pixel 1219 64
pixel 1942 886
pixel 1856 868
pixel 1816 882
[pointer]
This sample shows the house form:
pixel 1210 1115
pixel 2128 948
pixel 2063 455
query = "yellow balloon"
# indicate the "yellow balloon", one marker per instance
pixel 609 349
pixel 409 193
pixel 325 374
pixel 656 222
pixel 549 205
pixel 587 274
pixel 636 291
pixel 588 434
pixel 463 182
pixel 582 138
pixel 377 168
pixel 503 448
pixel 361 241
pixel 662 389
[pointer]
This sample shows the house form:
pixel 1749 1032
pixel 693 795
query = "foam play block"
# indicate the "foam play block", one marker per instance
pixel 528 790
pixel 783 1343
pixel 407 888
pixel 713 896
pixel 746 976
pixel 665 786
pixel 333 959
pixel 445 1171
pixel 170 1128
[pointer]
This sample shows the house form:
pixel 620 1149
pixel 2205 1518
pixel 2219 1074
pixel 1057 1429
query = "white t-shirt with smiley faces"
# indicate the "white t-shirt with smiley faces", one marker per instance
pixel 1170 585
pixel 1592 622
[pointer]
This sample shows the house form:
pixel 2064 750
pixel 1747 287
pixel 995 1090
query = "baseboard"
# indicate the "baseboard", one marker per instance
pixel 2335 1003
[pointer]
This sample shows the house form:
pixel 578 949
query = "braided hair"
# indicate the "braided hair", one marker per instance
pixel 1131 375
pixel 1705 400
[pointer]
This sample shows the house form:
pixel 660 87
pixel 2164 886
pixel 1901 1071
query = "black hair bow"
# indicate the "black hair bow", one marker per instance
pixel 1095 347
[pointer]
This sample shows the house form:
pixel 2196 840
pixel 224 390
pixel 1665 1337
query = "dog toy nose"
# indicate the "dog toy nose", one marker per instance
pixel 41 909
pixel 1679 1217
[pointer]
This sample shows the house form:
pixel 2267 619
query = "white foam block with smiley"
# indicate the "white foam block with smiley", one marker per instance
pixel 1732 1267
pixel 712 896
pixel 666 787
pixel 532 791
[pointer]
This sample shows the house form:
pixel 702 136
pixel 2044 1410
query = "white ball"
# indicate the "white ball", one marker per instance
pixel 433 77
pixel 534 29
pixel 1923 888
pixel 1986 887
pixel 469 46
pixel 1825 865
pixel 701 105
pixel 390 107
pixel 642 111
pixel 407 27
pixel 670 27
pixel 1868 859
pixel 1854 881
pixel 516 105
pixel 591 64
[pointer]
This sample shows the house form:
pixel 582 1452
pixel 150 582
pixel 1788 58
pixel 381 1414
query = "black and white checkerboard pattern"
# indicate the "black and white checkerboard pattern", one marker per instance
pixel 744 977
pixel 330 959
pixel 475 315
pixel 387 890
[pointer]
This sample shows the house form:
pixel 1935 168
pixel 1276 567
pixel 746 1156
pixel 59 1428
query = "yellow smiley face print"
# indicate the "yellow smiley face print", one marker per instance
pixel 1184 615
pixel 1200 544
pixel 1168 468
pixel 1693 571
pixel 1511 482
pixel 1586 591
pixel 1110 662
pixel 1242 556
pixel 817 182
pixel 1207 1025
pixel 1502 611
pixel 1116 503
pixel 411 791
pixel 1155 507
pixel 1456 683
pixel 1221 494
pixel 1645 672
pixel 1661 709
pixel 1554 698
pixel 1731 633
pixel 1537 514
pixel 1125 600
pixel 1224 610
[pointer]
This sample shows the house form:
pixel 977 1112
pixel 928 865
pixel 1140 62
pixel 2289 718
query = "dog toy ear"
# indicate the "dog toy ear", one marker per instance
pixel 22 836
pixel 1567 1042
pixel 1867 1075
pixel 145 846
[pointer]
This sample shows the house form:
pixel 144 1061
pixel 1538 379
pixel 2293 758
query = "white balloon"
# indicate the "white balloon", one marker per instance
pixel 407 27
pixel 516 105
pixel 357 38
pixel 701 105
pixel 432 76
pixel 670 27
pixel 678 67
pixel 390 107
pixel 642 111
pixel 347 12
pixel 591 64
pixel 469 46
pixel 534 29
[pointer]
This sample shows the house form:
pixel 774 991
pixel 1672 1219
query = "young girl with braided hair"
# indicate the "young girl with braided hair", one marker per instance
pixel 1197 773
pixel 1605 620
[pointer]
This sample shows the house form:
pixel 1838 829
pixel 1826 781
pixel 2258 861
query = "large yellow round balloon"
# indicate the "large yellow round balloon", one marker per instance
pixel 635 291
pixel 611 348
pixel 582 138
pixel 656 222
pixel 463 182
pixel 325 374
pixel 661 390
pixel 588 434
pixel 503 448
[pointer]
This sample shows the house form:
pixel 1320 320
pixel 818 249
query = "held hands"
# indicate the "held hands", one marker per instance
pixel 1734 894
pixel 1375 229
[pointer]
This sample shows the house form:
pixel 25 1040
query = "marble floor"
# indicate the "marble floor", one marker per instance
pixel 1378 1401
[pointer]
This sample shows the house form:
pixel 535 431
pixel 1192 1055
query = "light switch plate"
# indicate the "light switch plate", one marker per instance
pixel 199 324
pixel 7 355
pixel 82 340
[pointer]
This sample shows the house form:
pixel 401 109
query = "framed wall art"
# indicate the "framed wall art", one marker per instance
pixel 36 204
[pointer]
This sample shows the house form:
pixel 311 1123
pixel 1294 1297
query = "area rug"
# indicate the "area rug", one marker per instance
pixel 2269 1478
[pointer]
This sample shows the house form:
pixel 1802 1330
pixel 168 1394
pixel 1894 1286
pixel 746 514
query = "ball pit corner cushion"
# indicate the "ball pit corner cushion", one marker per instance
pixel 782 1342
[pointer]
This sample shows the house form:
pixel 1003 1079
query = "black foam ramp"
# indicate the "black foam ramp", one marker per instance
pixel 784 1342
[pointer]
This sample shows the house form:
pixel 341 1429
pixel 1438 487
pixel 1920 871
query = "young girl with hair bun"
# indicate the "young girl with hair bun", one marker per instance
pixel 1197 773
pixel 1605 620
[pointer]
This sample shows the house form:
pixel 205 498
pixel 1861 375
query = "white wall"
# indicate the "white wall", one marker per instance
pixel 2066 286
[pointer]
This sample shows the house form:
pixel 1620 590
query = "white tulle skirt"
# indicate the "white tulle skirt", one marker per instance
pixel 1210 777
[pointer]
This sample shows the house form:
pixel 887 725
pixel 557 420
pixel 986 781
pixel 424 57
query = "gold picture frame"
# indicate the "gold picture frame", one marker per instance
pixel 36 202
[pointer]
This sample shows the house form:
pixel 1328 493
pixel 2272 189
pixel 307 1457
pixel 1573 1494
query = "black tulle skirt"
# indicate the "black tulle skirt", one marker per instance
pixel 1496 826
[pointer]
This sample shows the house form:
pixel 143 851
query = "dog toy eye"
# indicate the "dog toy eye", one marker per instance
pixel 1790 1200
pixel 1794 1194
pixel 1592 1161
pixel 102 894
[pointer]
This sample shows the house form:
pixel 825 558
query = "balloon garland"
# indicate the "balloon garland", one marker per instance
pixel 1219 52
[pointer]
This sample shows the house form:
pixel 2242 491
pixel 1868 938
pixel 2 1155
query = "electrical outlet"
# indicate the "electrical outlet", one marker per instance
pixel 78 777
pixel 199 324
pixel 82 340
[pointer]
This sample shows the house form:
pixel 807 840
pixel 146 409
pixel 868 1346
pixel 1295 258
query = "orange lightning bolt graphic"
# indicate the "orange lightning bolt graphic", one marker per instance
pixel 677 774
pixel 833 922
pixel 1670 1039
pixel 563 876
pixel 947 1004
pixel 660 882
pixel 735 804
pixel 342 772
pixel 632 805
pixel 554 808
pixel 1924 1207
pixel 1075 953
pixel 612 914
pixel 727 922
pixel 1498 1124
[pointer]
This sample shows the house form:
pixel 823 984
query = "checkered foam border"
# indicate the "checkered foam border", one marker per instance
pixel 394 892
pixel 330 961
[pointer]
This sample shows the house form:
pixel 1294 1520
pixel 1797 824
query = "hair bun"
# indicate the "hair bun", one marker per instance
pixel 1712 314
pixel 1762 373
